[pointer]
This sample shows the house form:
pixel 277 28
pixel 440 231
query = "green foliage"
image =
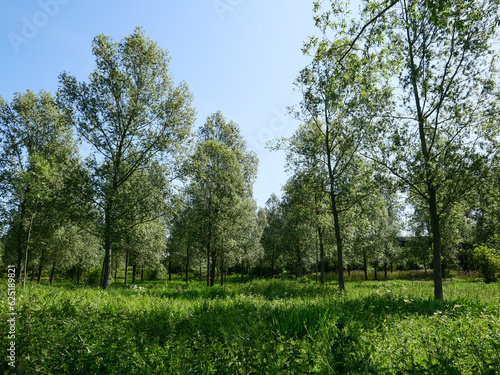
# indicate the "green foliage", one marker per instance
pixel 264 327
pixel 93 277
pixel 488 261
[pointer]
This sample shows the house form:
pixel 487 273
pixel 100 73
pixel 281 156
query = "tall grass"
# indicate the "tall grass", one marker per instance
pixel 262 327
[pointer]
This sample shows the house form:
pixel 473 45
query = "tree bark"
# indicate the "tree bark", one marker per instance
pixel 134 272
pixel 272 260
pixel 436 241
pixel 106 273
pixel 187 266
pixel 40 266
pixel 20 237
pixel 126 268
pixel 212 276
pixel 52 272
pixel 365 264
pixel 222 270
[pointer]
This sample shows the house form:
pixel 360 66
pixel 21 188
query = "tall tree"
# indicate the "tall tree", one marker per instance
pixel 442 55
pixel 339 118
pixel 37 148
pixel 132 115
pixel 221 174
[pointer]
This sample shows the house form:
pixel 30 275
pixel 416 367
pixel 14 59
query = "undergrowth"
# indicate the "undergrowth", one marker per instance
pixel 262 327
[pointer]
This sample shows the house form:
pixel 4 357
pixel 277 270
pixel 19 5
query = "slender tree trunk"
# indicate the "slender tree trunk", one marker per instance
pixel 208 265
pixel 142 274
pixel 436 239
pixel 40 266
pixel 187 266
pixel 338 237
pixel 222 270
pixel 20 238
pixel 52 272
pixel 273 260
pixel 134 272
pixel 365 264
pixel 242 271
pixel 27 250
pixel 116 270
pixel 213 265
pixel 385 270
pixel 126 268
pixel 321 256
pixel 106 272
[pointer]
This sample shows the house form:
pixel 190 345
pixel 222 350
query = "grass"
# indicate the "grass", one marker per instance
pixel 262 327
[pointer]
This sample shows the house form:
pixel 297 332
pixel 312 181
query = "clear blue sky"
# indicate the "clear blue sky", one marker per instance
pixel 237 56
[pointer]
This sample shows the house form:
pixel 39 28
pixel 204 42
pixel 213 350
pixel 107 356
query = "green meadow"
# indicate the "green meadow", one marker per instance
pixel 260 327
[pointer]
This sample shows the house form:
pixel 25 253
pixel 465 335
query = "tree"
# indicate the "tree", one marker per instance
pixel 221 174
pixel 272 233
pixel 443 57
pixel 132 115
pixel 339 119
pixel 37 150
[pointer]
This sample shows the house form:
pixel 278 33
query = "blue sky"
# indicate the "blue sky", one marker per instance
pixel 237 56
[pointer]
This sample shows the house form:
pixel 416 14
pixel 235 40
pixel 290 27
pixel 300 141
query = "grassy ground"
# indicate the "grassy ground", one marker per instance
pixel 261 327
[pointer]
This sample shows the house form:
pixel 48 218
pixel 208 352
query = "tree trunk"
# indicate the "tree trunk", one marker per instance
pixel 338 238
pixel 116 270
pixel 52 272
pixel 222 270
pixel 242 272
pixel 106 272
pixel 208 264
pixel 142 274
pixel 385 270
pixel 126 268
pixel 436 240
pixel 134 272
pixel 321 256
pixel 272 261
pixel 431 188
pixel 299 261
pixel 20 237
pixel 200 273
pixel 40 266
pixel 212 276
pixel 187 266
pixel 365 264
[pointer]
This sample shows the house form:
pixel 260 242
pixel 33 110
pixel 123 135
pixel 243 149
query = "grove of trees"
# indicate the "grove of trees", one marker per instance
pixel 395 164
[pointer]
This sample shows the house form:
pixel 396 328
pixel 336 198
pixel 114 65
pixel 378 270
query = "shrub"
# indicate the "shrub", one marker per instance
pixel 94 277
pixel 488 262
